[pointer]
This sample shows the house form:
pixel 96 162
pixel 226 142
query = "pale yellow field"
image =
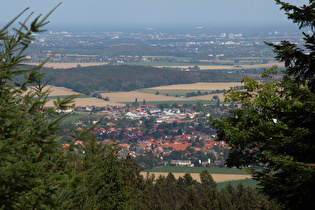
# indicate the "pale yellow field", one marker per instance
pixel 217 177
pixel 89 102
pixel 202 86
pixel 117 97
pixel 70 65
pixel 207 97
pixel 59 91
pixel 209 67
pixel 62 91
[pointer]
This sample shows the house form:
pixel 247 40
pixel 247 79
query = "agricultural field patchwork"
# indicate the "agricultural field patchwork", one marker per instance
pixel 162 94
pixel 82 100
pixel 183 89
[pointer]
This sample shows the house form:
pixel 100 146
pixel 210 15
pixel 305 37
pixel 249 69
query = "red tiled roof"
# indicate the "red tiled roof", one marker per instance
pixel 180 146
pixel 166 145
pixel 79 142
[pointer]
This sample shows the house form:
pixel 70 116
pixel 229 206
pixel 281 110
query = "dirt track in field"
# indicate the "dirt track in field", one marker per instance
pixel 217 177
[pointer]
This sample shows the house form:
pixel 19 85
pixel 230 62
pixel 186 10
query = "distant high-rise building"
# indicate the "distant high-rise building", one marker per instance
pixel 231 36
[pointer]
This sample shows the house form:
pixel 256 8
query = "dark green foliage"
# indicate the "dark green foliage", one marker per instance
pixel 31 160
pixel 147 162
pixel 129 77
pixel 207 180
pixel 299 62
pixel 36 172
pixel 274 129
pixel 103 181
pixel 185 193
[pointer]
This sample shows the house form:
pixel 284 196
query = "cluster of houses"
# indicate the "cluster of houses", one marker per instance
pixel 166 115
pixel 132 140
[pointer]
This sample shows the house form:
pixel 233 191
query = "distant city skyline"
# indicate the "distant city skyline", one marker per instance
pixel 151 12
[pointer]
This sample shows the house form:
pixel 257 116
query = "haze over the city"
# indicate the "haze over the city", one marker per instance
pixel 151 12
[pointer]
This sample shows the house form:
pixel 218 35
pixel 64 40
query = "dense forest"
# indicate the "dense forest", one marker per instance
pixel 186 193
pixel 130 77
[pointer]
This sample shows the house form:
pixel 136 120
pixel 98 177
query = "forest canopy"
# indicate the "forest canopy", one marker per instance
pixel 130 77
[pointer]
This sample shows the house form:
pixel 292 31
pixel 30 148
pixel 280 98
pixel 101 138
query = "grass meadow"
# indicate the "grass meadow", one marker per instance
pixel 78 116
pixel 177 102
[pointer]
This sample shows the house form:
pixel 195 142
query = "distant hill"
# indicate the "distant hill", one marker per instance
pixel 130 77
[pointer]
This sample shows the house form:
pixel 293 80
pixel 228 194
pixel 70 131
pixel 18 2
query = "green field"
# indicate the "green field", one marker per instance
pixel 173 102
pixel 185 169
pixel 161 63
pixel 174 93
pixel 78 116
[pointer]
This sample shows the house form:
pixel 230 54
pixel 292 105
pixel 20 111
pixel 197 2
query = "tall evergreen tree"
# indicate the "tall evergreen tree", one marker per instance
pixel 274 130
pixel 31 159
pixel 36 172
pixel 102 180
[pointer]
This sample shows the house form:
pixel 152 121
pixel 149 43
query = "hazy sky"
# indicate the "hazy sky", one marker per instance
pixel 151 11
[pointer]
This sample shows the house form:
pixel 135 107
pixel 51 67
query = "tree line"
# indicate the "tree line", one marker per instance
pixel 109 78
pixel 186 193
